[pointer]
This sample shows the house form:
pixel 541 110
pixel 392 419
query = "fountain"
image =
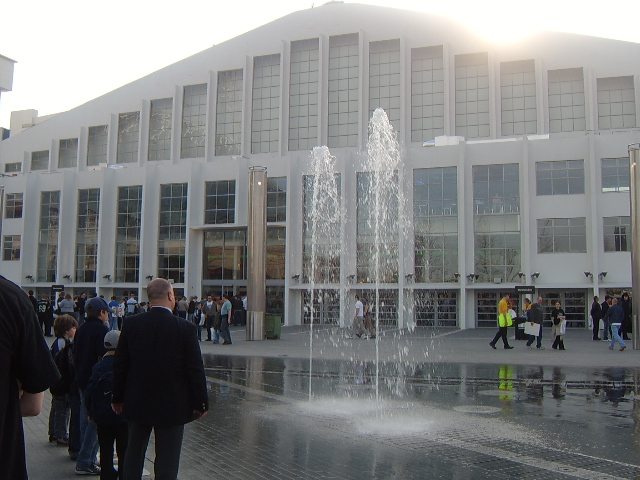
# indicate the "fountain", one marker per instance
pixel 379 224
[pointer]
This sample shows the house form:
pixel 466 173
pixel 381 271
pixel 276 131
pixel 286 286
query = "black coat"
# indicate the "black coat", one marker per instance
pixel 158 374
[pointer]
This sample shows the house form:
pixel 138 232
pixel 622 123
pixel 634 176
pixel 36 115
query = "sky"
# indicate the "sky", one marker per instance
pixel 72 51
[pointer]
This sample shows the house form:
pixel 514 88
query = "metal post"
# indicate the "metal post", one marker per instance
pixel 634 156
pixel 257 253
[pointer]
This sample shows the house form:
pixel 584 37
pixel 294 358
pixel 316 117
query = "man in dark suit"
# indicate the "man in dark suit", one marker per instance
pixel 158 382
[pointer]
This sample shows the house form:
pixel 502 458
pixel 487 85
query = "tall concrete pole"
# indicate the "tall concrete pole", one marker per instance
pixel 257 253
pixel 634 157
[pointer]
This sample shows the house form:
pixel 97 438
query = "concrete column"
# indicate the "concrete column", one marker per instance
pixel 634 157
pixel 256 253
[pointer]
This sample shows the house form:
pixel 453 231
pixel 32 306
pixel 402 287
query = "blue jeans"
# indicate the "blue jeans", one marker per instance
pixel 88 454
pixel 533 337
pixel 615 336
pixel 59 416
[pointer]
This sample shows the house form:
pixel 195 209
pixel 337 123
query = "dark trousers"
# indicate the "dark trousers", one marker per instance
pixel 168 446
pixel 596 328
pixel 75 442
pixel 209 325
pixel 533 337
pixel 501 333
pixel 224 329
pixel 107 435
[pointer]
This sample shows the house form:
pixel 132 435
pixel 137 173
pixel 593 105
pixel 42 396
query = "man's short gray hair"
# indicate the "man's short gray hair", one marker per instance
pixel 158 289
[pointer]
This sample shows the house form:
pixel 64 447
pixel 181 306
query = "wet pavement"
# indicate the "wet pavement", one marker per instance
pixel 437 404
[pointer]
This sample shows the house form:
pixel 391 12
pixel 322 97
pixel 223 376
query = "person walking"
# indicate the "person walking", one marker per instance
pixel 535 316
pixel 625 303
pixel 558 320
pixel 226 317
pixel 358 319
pixel 615 317
pixel 45 315
pixel 503 323
pixel 159 382
pixel 596 316
pixel 209 310
pixel 606 326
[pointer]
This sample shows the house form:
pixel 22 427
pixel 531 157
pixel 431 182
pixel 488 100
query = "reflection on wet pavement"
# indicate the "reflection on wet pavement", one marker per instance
pixel 454 421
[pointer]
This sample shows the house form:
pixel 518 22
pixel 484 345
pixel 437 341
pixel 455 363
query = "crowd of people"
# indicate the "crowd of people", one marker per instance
pixel 610 321
pixel 106 370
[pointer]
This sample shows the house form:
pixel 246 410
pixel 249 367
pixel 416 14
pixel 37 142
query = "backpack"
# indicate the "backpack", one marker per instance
pixel 64 362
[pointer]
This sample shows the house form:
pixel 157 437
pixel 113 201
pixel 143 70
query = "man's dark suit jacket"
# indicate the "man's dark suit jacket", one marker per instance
pixel 158 372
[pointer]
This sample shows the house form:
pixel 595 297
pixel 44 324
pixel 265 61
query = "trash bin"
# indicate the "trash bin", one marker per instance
pixel 273 326
pixel 519 324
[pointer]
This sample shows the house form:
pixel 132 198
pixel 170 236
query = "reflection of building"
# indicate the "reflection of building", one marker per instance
pixel 514 163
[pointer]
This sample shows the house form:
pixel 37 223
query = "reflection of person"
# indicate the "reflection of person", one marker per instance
pixel 158 382
pixel 535 317
pixel 26 371
pixel 615 317
pixel 557 319
pixel 503 310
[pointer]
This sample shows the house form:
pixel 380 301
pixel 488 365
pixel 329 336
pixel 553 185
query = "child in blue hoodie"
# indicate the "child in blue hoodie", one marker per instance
pixel 111 427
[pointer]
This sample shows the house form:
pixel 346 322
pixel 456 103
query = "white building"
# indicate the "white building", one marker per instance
pixel 515 162
pixel 6 81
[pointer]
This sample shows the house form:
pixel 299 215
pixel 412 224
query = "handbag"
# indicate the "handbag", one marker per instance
pixel 563 327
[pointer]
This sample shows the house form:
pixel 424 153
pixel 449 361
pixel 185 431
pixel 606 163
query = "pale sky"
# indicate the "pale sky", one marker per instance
pixel 72 51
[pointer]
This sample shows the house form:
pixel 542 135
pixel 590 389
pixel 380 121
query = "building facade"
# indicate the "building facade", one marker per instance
pixel 515 169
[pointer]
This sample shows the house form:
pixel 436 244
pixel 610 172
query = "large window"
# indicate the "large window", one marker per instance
pixel 377 228
pixel 225 255
pixel 13 167
pixel 40 160
pixel 97 145
pixel 560 178
pixel 384 79
pixel 472 95
pixel 48 236
pixel 11 247
pixel 276 255
pixel 496 198
pixel 616 103
pixel 321 219
pixel 220 202
pixel 265 111
pixel 13 206
pixel 229 113
pixel 566 100
pixel 303 94
pixel 128 137
pixel 344 63
pixel 562 235
pixel 617 234
pixel 172 231
pixel 518 94
pixel 68 153
pixel 277 199
pixel 194 121
pixel 161 119
pixel 435 214
pixel 616 174
pixel 87 235
pixel 129 222
pixel 427 93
